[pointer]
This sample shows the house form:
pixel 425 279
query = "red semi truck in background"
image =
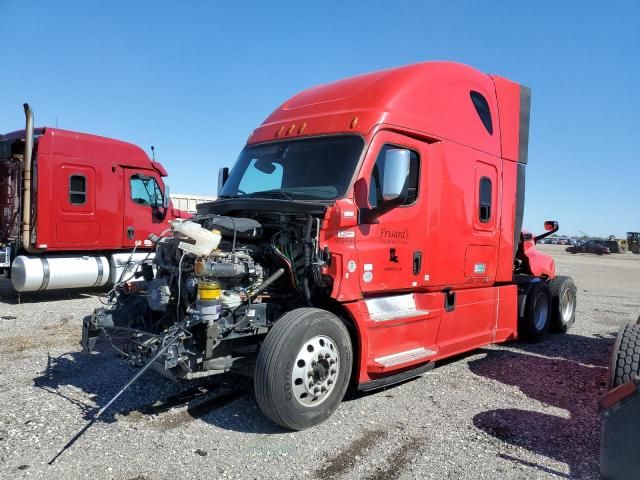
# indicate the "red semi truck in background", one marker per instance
pixel 369 228
pixel 73 207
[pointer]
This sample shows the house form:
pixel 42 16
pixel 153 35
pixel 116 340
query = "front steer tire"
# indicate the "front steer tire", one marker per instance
pixel 289 350
pixel 563 303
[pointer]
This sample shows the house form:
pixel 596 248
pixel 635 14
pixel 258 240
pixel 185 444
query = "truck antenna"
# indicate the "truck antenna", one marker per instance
pixel 153 153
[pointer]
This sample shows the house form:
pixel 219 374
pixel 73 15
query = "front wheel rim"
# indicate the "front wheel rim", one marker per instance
pixel 315 371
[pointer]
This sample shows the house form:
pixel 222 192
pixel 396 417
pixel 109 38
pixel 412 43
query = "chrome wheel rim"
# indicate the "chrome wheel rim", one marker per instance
pixel 315 371
pixel 569 300
pixel 541 312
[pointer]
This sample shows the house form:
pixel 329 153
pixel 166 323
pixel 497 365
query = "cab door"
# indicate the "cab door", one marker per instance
pixel 392 250
pixel 391 247
pixel 143 212
pixel 75 215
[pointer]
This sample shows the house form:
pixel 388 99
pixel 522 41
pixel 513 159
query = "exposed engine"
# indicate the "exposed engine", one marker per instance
pixel 213 289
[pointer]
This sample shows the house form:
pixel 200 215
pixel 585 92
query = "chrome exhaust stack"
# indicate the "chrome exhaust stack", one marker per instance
pixel 26 180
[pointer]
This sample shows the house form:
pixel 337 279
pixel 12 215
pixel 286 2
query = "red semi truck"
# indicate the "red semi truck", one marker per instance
pixel 369 228
pixel 74 206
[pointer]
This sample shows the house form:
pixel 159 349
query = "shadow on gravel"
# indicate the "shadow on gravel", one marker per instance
pixel 99 375
pixel 153 401
pixel 572 380
pixel 593 350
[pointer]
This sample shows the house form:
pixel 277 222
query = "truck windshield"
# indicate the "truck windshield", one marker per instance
pixel 318 168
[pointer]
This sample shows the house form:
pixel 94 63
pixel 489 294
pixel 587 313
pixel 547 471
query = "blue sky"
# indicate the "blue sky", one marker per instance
pixel 195 78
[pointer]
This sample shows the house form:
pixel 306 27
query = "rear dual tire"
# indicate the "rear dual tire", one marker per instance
pixel 563 303
pixel 535 322
pixel 549 306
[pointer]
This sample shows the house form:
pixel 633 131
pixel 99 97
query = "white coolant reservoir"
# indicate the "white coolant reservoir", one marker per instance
pixel 206 240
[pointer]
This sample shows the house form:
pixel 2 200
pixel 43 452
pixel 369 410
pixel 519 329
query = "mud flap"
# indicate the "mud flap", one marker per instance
pixel 619 453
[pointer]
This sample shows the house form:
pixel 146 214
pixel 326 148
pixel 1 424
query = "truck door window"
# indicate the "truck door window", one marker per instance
pixel 377 177
pixel 482 108
pixel 145 190
pixel 77 189
pixel 485 200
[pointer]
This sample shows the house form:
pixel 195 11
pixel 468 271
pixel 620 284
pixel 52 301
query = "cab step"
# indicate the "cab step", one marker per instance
pixel 387 362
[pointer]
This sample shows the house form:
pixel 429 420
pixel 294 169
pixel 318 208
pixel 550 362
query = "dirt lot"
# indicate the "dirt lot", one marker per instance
pixel 514 411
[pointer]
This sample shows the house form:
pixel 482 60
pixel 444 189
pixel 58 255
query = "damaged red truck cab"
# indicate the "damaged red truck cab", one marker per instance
pixel 438 274
pixel 370 227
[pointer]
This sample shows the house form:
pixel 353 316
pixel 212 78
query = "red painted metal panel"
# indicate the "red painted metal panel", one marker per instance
pixel 540 264
pixel 508 96
pixel 143 219
pixel 504 272
pixel 386 248
pixel 507 324
pixel 430 97
pixel 470 324
pixel 98 224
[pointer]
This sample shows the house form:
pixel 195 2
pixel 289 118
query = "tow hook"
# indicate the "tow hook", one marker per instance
pixel 91 327
pixel 89 336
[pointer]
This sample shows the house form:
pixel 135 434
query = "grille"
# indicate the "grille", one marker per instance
pixel 4 257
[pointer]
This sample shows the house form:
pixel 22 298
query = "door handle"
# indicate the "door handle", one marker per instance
pixel 449 300
pixel 417 262
pixel 131 232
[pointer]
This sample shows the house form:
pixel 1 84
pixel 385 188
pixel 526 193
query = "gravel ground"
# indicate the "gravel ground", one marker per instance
pixel 512 411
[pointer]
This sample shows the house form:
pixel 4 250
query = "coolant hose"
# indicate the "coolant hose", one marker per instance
pixel 275 276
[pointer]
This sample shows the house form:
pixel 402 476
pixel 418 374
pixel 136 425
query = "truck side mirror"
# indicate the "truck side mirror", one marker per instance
pixel 166 198
pixel 396 175
pixel 551 227
pixel 223 176
pixel 395 184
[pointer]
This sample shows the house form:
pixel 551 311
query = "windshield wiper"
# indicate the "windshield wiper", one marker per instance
pixel 276 193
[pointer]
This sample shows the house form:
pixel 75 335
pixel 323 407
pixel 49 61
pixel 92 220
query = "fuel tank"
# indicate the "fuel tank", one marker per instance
pixel 31 273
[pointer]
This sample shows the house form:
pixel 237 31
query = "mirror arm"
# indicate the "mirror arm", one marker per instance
pixel 370 215
pixel 546 234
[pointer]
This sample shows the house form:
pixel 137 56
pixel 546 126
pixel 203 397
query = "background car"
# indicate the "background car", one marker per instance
pixel 612 245
pixel 590 246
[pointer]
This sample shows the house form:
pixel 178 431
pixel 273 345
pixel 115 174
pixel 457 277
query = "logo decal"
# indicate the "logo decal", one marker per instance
pixel 479 268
